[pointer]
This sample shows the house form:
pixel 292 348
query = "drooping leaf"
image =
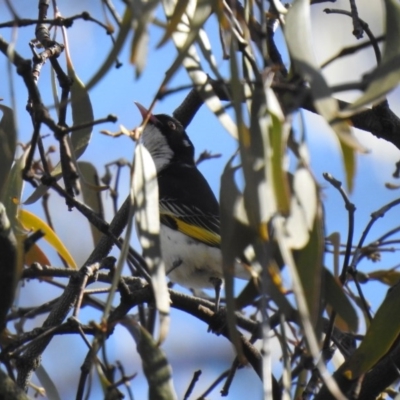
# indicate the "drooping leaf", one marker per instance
pixel 174 20
pixel 309 256
pixel 143 14
pixel 32 222
pixel 91 197
pixel 40 191
pixel 155 366
pixel 235 232
pixel 236 235
pixel 278 140
pixel 336 298
pixel 349 161
pixel 303 312
pixel 206 50
pixel 147 215
pixel 47 383
pixel 8 142
pixel 82 113
pixel 334 238
pixel 254 144
pixel 301 51
pixel 380 336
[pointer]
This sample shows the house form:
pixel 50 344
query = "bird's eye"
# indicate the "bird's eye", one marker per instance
pixel 171 125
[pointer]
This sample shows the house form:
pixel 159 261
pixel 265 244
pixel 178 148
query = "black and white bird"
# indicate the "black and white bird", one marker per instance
pixel 189 212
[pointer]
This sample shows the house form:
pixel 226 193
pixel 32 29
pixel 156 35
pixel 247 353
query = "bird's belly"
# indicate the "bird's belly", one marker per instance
pixel 190 262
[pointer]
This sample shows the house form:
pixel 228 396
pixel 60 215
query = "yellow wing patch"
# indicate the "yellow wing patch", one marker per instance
pixel 198 233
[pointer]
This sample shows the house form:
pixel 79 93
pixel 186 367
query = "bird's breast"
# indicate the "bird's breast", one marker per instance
pixel 189 262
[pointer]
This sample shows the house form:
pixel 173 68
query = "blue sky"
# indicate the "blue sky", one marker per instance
pixel 116 94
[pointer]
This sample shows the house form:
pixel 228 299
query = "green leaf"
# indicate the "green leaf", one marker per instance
pixel 278 146
pixel 380 336
pixel 349 161
pixel 309 257
pixel 259 197
pixel 82 113
pixel 337 299
pixel 91 197
pixel 8 142
pixel 236 235
pixel 155 366
pixel 147 215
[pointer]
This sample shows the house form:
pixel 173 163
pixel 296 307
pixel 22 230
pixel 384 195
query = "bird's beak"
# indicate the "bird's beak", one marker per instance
pixel 146 114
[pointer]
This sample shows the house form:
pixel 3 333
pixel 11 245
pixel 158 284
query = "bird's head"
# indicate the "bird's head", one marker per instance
pixel 166 140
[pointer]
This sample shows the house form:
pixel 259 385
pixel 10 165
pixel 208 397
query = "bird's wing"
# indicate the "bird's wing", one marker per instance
pixel 191 221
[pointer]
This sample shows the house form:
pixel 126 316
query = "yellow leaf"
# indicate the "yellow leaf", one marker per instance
pixel 31 221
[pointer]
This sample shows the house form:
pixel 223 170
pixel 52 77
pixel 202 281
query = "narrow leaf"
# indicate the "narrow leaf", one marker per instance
pixel 91 197
pixel 337 299
pixel 32 222
pixel 309 333
pixel 148 222
pixel 155 366
pixel 47 383
pixel 8 142
pixel 380 336
pixel 277 139
pixel 309 259
pixel 139 47
pixel 174 20
pixel 82 113
pixel 236 235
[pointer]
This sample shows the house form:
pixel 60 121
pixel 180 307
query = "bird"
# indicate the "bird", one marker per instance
pixel 189 211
